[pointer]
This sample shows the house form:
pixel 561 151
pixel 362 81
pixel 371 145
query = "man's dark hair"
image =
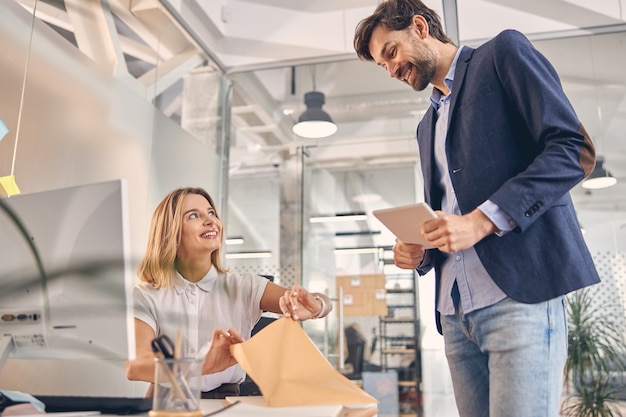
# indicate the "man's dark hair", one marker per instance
pixel 395 15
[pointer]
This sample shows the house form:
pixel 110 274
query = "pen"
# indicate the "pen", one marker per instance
pixel 163 349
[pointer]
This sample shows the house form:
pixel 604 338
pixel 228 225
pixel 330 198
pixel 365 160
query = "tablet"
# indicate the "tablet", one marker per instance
pixel 406 221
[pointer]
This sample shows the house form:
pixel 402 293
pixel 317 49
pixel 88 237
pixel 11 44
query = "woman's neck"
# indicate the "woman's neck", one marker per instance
pixel 193 270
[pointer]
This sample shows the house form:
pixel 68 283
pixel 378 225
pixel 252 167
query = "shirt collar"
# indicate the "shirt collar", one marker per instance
pixel 436 95
pixel 205 284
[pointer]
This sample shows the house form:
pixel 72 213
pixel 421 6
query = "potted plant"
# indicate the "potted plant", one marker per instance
pixel 596 357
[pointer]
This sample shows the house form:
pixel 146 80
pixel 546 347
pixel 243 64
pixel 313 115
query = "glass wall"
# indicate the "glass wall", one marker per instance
pixel 591 71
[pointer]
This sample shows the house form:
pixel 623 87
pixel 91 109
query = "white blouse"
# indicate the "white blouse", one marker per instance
pixel 219 300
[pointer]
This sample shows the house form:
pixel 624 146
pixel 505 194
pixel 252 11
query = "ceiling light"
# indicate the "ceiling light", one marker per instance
pixel 249 255
pixel 599 177
pixel 314 122
pixel 234 240
pixel 339 217
pixel 366 198
pixel 363 250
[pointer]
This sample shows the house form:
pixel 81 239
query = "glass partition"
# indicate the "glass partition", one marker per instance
pixel 354 173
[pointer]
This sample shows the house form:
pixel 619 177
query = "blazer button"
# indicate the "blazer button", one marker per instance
pixel 528 213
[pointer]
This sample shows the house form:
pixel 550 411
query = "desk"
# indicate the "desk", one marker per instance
pixel 249 406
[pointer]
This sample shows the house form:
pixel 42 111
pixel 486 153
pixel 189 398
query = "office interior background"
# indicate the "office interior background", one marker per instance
pixel 176 93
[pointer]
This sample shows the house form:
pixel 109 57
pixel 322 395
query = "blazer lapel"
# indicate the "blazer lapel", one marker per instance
pixel 426 143
pixel 459 76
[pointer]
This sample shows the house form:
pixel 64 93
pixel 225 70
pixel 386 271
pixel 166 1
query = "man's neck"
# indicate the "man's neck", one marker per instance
pixel 447 52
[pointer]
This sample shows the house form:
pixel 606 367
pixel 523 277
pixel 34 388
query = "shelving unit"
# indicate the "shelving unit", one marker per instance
pixel 399 333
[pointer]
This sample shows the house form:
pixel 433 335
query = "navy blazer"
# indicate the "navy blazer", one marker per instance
pixel 514 138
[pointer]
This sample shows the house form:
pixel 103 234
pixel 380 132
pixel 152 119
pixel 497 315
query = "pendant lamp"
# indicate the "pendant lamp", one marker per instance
pixel 600 177
pixel 314 122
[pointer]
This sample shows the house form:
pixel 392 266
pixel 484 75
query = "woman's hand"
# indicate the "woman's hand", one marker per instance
pixel 218 358
pixel 299 304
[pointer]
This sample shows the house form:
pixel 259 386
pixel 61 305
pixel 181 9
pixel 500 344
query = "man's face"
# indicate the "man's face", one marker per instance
pixel 405 55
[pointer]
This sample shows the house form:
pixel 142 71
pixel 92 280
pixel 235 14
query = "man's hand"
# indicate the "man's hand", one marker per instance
pixel 407 255
pixel 453 233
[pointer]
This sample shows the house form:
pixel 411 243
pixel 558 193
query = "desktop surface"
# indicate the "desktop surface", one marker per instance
pixel 104 405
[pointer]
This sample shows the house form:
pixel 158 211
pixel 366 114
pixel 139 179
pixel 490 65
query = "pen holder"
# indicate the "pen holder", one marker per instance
pixel 175 394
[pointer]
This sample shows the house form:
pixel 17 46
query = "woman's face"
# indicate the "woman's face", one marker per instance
pixel 201 232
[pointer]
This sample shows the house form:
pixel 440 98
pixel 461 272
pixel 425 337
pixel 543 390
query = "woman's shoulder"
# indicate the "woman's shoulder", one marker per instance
pixel 148 289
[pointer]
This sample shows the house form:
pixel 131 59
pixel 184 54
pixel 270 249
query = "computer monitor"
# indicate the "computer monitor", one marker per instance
pixel 65 275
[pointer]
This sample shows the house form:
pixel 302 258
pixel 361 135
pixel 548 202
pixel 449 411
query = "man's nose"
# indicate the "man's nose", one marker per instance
pixel 392 70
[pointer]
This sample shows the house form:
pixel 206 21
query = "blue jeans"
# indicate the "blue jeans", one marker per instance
pixel 507 360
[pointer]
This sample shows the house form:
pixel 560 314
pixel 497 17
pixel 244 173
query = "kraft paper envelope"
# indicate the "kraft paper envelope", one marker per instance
pixel 290 370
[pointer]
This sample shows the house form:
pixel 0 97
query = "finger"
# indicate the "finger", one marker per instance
pixel 293 301
pixel 235 336
pixel 283 303
pixel 293 297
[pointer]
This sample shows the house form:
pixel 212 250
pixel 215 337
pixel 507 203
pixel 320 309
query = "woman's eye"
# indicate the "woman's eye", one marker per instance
pixel 193 216
pixel 212 213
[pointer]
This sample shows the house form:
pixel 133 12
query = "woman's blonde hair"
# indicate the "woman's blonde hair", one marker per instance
pixel 158 265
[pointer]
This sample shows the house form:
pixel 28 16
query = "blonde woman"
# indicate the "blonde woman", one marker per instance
pixel 184 286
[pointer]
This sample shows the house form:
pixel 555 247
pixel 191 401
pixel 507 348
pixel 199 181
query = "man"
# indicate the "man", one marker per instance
pixel 500 149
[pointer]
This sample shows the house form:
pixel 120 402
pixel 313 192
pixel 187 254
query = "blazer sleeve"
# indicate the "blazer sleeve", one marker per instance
pixel 566 153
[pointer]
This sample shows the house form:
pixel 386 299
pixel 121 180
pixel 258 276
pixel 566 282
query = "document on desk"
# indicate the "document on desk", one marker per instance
pixel 291 371
pixel 257 407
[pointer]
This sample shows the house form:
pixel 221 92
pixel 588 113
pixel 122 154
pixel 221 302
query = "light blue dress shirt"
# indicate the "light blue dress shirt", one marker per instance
pixel 476 289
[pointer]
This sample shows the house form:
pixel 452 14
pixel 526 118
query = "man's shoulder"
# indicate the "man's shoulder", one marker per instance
pixel 506 39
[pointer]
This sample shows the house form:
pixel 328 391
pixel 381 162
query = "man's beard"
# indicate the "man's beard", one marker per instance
pixel 424 71
pixel 424 66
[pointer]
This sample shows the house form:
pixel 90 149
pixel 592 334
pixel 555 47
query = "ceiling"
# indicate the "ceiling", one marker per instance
pixel 276 50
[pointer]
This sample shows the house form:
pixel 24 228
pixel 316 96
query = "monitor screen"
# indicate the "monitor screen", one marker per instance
pixel 65 275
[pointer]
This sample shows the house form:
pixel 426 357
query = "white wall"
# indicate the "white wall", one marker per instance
pixel 79 126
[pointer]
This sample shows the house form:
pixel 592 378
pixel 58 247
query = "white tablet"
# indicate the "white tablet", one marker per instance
pixel 406 221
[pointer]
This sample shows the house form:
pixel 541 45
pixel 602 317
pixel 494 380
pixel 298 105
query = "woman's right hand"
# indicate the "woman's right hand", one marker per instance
pixel 219 358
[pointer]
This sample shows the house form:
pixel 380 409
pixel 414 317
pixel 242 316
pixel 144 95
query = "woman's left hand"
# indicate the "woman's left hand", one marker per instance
pixel 299 304
pixel 218 358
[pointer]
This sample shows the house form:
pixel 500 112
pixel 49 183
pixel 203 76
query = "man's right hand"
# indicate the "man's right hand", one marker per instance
pixel 407 255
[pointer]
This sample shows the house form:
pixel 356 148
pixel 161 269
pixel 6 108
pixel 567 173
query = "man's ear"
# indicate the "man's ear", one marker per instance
pixel 420 26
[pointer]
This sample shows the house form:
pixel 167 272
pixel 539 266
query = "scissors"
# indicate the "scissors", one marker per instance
pixel 164 348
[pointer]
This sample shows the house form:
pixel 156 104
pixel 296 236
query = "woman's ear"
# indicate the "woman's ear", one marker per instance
pixel 420 26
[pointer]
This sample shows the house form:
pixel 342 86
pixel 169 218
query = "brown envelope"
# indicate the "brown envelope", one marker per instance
pixel 291 371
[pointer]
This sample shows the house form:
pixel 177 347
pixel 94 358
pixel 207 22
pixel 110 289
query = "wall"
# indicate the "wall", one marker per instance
pixel 79 125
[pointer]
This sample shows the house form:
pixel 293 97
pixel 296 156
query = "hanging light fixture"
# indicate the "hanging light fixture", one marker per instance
pixel 600 177
pixel 314 122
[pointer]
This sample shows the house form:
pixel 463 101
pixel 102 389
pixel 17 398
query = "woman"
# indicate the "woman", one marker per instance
pixel 184 287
